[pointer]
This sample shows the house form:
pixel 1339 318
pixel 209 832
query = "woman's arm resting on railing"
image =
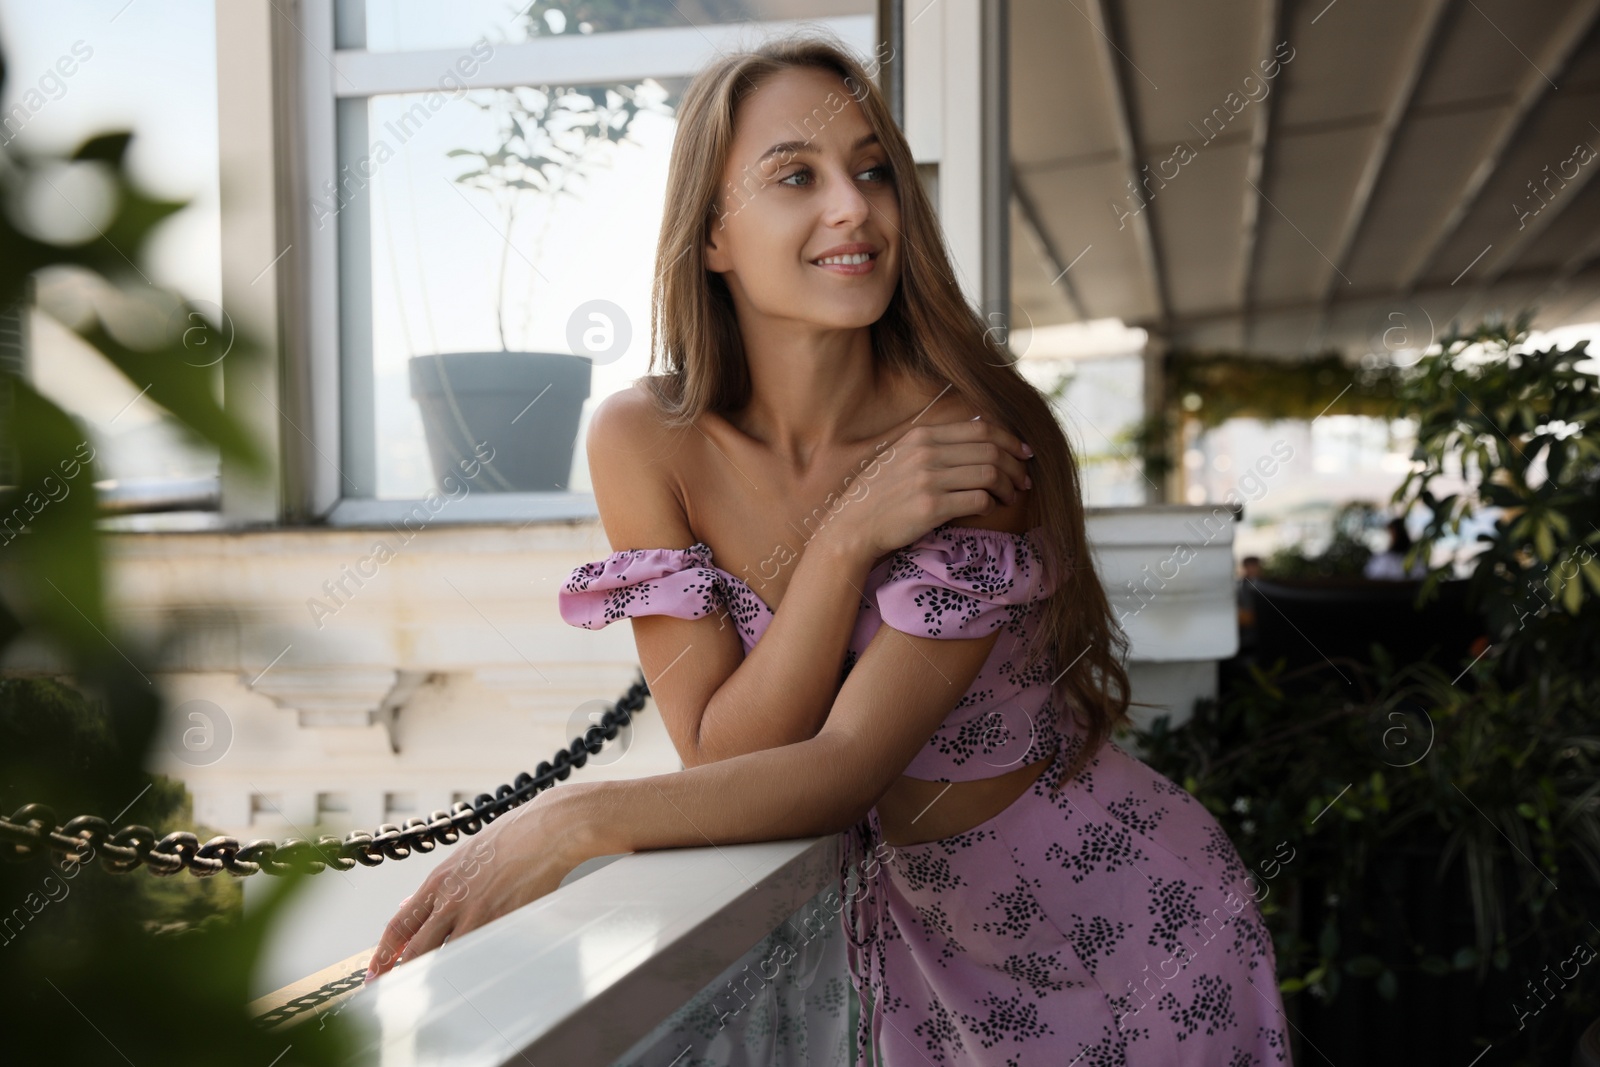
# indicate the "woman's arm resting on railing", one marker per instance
pixel 717 702
pixel 892 702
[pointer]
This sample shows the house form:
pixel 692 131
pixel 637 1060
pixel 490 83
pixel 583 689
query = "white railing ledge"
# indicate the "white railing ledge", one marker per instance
pixel 582 974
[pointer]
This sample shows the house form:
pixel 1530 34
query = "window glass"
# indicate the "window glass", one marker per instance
pixel 490 237
pixel 408 25
pixel 68 79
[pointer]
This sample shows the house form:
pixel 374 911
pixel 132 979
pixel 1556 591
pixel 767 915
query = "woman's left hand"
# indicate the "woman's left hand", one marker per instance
pixel 518 858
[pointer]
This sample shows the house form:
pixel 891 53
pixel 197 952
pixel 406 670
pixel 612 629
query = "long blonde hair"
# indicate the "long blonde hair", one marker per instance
pixel 929 331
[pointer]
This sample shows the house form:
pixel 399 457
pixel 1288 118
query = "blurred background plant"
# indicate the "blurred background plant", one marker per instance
pixel 1345 554
pixel 103 967
pixel 1513 423
pixel 67 739
pixel 1205 389
pixel 1445 817
pixel 1431 825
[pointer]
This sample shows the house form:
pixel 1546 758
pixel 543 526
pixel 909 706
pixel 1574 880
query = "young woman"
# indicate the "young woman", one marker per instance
pixel 887 621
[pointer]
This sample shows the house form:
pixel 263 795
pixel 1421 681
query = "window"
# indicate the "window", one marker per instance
pixel 484 216
pixel 266 810
pixel 404 25
pixel 333 808
pixel 482 275
pixel 398 807
pixel 68 78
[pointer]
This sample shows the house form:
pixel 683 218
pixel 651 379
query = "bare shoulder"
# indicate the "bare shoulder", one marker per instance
pixel 631 449
pixel 944 404
pixel 1011 518
pixel 626 412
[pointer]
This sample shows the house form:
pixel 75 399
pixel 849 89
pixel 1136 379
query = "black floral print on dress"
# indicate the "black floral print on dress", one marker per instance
pixel 1108 925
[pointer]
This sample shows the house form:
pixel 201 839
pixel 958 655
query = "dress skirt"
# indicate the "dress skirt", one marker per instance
pixel 1113 924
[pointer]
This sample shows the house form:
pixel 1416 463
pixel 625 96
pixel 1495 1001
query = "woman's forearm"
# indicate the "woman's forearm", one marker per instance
pixel 807 789
pixel 783 690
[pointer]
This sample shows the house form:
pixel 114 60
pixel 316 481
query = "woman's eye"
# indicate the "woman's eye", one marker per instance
pixel 881 173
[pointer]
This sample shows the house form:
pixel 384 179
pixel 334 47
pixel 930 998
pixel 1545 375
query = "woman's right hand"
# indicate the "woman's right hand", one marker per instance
pixel 930 475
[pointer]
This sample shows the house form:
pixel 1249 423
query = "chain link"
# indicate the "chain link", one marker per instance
pixel 32 831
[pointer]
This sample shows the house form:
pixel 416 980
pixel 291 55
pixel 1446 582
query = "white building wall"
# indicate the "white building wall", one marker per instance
pixel 449 670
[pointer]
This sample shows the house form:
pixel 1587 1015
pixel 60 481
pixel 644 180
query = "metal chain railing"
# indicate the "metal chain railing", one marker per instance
pixel 33 831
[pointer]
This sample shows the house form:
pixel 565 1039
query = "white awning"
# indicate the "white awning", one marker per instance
pixel 1285 177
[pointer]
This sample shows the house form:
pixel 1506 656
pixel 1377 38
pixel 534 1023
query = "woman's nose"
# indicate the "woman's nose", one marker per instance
pixel 846 203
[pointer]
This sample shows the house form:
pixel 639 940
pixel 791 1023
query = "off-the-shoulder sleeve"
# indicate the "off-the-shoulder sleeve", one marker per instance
pixel 680 582
pixel 963 581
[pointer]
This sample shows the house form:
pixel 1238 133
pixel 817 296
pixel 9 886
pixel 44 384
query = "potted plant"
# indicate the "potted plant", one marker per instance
pixel 548 139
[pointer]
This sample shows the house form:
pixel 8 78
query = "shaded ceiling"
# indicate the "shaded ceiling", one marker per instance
pixel 1406 163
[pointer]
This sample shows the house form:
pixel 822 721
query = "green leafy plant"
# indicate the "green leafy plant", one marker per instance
pixel 1207 388
pixel 1514 426
pixel 1235 385
pixel 120 968
pixel 1446 822
pixel 1409 800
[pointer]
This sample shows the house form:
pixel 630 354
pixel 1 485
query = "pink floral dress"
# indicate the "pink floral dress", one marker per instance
pixel 1110 925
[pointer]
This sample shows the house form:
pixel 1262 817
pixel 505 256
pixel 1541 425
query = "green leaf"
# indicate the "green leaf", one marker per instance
pixel 1572 595
pixel 1590 570
pixel 174 381
pixel 1434 965
pixel 112 254
pixel 1544 540
pixel 1363 966
pixel 104 148
pixel 56 562
pixel 1388 986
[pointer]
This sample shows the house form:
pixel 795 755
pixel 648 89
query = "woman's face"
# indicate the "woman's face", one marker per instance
pixel 806 182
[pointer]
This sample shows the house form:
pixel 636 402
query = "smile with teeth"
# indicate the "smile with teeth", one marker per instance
pixel 850 260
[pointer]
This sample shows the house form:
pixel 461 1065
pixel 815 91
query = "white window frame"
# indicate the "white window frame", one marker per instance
pixel 328 377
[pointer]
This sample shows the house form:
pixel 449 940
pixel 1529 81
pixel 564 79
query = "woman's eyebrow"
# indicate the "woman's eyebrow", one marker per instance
pixel 796 147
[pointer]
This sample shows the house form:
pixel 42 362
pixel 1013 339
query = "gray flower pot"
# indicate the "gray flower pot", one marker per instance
pixel 480 401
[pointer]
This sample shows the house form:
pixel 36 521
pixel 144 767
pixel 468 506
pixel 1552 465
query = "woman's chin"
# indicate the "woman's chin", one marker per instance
pixel 834 313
